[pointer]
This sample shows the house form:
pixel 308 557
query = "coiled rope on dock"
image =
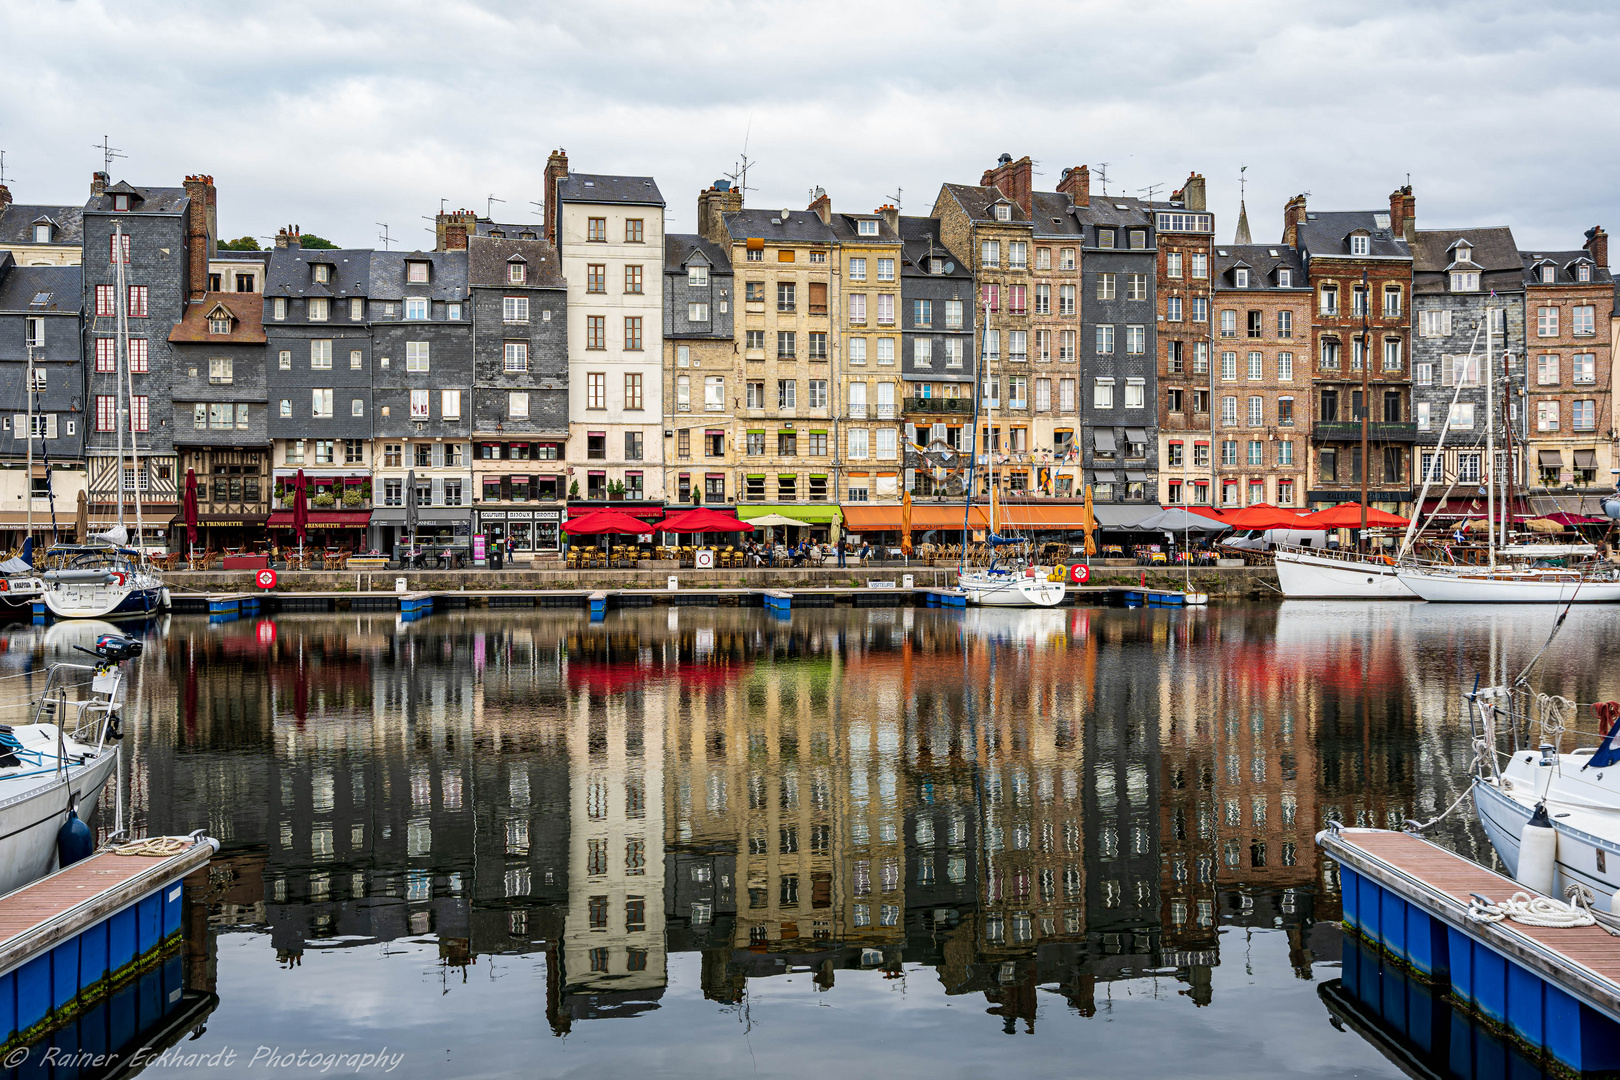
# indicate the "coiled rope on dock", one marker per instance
pixel 1530 910
pixel 157 847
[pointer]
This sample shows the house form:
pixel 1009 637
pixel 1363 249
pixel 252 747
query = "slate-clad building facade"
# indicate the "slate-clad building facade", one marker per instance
pixel 319 360
pixel 38 235
pixel 158 280
pixel 39 313
pixel 939 362
pixel 699 324
pixel 519 391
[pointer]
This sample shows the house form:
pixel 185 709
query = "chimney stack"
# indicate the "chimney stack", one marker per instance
pixel 1597 245
pixel 1192 193
pixel 202 232
pixel 98 184
pixel 1293 218
pixel 288 237
pixel 5 196
pixel 1014 179
pixel 821 206
pixel 1076 184
pixel 890 216
pixel 1403 214
pixel 452 229
pixel 718 199
pixel 556 169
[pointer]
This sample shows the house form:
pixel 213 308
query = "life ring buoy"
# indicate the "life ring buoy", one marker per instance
pixel 118 577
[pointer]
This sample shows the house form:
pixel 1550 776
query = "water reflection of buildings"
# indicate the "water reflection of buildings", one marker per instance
pixel 1008 802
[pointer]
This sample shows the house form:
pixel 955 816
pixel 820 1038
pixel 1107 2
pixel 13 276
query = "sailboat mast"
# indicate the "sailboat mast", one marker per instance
pixel 1366 403
pixel 973 441
pixel 1490 441
pixel 29 487
pixel 120 349
pixel 990 432
pixel 135 464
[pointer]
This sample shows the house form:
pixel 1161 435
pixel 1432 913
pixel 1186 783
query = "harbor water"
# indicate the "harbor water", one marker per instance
pixel 714 842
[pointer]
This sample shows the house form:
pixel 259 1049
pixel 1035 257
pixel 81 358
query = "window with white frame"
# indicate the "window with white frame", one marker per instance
pixel 1256 366
pixel 1547 369
pixel 516 357
pixel 1582 318
pixel 421 404
pixel 1285 367
pixel 1103 394
pixel 1583 414
pixel 1546 416
pixel 320 355
pixel 321 403
pixel 450 404
pixel 416 308
pixel 1358 244
pixel 1229 409
pixel 1135 393
pixel 1546 322
pixel 1105 339
pixel 1257 411
pixel 1135 340
pixel 416 356
pixel 1583 368
pixel 1392 354
pixel 515 309
pixel 1228 366
pixel 1464 281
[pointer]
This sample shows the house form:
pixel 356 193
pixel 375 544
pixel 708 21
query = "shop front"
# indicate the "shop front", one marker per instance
pixel 437 528
pixel 222 532
pixel 534 533
pixel 331 530
pixel 650 512
pixel 815 522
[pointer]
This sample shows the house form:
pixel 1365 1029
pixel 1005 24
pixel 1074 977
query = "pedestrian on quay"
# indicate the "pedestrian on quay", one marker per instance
pixel 843 548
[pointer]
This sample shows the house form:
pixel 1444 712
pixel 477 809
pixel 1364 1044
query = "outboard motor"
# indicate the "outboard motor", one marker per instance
pixel 116 648
pixel 73 840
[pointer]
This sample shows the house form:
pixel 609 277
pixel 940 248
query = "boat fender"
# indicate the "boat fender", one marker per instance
pixel 73 840
pixel 118 577
pixel 1538 852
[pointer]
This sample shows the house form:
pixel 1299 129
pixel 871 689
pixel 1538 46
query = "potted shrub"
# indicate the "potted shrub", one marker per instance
pixel 352 498
pixel 325 500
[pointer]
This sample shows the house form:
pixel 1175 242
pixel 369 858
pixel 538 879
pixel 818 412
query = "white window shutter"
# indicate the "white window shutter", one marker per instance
pixel 50 426
pixel 19 426
pixel 1447 370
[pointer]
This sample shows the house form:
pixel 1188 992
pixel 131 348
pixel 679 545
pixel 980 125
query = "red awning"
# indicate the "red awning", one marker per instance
pixel 1348 516
pixel 324 519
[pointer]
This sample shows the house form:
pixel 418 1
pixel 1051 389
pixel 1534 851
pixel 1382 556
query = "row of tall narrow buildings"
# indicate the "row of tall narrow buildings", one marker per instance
pixel 516 373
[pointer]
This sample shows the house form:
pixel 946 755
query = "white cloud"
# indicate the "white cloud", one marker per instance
pixel 339 116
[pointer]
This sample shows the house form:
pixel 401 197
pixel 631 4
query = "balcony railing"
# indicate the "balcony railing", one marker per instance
pixel 960 406
pixel 885 410
pixel 857 411
pixel 1350 431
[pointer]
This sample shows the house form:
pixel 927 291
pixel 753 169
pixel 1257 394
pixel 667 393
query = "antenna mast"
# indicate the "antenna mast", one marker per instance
pixel 489 207
pixel 899 191
pixel 383 236
pixel 1102 175
pixel 108 153
pixel 2 166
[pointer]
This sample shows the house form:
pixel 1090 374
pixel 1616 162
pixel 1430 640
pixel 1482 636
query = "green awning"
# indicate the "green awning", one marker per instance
pixel 822 514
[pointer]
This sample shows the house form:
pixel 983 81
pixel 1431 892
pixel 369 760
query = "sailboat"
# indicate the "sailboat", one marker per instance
pixel 107 578
pixel 1515 583
pixel 1011 579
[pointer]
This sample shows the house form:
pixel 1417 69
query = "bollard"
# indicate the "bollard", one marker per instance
pixel 399 584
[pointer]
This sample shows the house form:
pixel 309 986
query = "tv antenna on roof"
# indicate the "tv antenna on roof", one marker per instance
pixel 539 207
pixel 899 191
pixel 2 166
pixel 740 176
pixel 108 153
pixel 489 206
pixel 383 236
pixel 1151 189
pixel 1102 175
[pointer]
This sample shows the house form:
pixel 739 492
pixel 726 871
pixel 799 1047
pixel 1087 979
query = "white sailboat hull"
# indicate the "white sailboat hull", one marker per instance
pixel 1588 832
pixel 138 595
pixel 1303 576
pixel 31 817
pixel 1525 588
pixel 1005 590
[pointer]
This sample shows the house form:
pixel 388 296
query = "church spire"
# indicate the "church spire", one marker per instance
pixel 1242 236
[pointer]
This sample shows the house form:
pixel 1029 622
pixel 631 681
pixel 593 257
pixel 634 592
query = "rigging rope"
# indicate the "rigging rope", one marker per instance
pixel 1552 715
pixel 153 846
pixel 1531 911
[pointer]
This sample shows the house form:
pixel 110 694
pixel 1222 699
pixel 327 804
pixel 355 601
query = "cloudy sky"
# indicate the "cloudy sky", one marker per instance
pixel 339 116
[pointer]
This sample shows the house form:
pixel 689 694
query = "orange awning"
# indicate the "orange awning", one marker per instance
pixel 866 518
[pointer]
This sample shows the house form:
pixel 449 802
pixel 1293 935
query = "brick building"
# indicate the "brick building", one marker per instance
pixel 1458 275
pixel 1359 266
pixel 1569 419
pixel 1185 261
pixel 1262 388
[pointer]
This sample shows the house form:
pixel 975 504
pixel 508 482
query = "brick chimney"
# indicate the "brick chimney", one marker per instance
pixel 1076 184
pixel 289 237
pixel 821 206
pixel 890 216
pixel 1293 218
pixel 1403 213
pixel 1192 193
pixel 1597 245
pixel 556 169
pixel 202 231
pixel 98 184
pixel 5 196
pixel 452 229
pixel 1014 179
pixel 717 199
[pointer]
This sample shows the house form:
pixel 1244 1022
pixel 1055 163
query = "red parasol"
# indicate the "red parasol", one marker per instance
pixel 599 522
pixel 1262 516
pixel 300 507
pixel 1348 516
pixel 702 519
pixel 189 507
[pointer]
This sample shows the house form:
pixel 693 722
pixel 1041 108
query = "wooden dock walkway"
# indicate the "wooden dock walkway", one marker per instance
pixel 1556 990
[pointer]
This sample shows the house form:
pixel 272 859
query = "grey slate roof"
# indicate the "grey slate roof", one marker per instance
pixel 1565 262
pixel 1327 233
pixel 977 201
pixel 921 238
pixel 484 227
pixel 1493 249
pixel 446 281
pixel 843 225
pixel 1263 261
pixel 147 200
pixel 598 188
pixel 21 284
pixel 679 247
pixel 17 223
pixel 802 226
pixel 487 257
pixel 1052 214
pixel 289 273
pixel 1122 210
pixel 224 255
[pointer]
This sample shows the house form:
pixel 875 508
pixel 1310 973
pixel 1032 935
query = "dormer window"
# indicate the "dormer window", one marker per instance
pixel 1003 213
pixel 219 323
pixel 1240 277
pixel 527 234
pixel 1549 274
pixel 1285 278
pixel 121 202
pixel 322 272
pixel 1464 281
pixel 1465 253
pixel 517 272
pixel 867 227
pixel 42 233
pixel 697 276
pixel 416 273
pixel 499 234
pixel 1359 244
pixel 1583 272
